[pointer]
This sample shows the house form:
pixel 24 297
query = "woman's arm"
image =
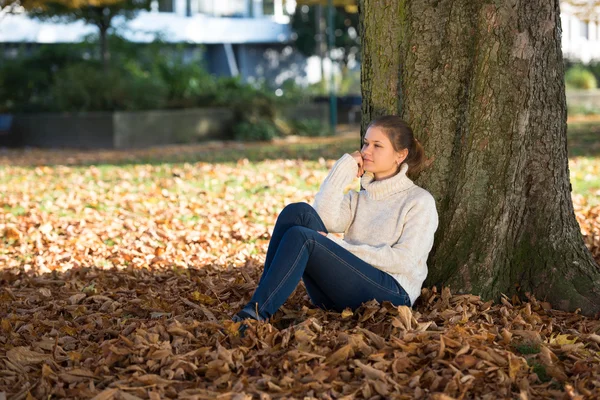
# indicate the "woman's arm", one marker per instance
pixel 412 248
pixel 335 208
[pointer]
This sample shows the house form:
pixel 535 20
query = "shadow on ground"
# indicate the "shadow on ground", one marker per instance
pixel 304 148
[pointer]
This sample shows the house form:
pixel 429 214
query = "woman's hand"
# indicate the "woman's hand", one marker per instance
pixel 359 160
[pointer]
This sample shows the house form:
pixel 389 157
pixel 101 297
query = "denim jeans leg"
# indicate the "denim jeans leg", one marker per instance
pixel 295 214
pixel 317 296
pixel 346 279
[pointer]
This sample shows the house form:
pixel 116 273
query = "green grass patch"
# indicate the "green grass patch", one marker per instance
pixel 527 348
pixel 585 178
pixel 539 370
pixel 16 210
pixel 583 139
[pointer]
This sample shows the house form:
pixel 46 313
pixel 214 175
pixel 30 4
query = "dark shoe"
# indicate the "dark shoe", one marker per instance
pixel 240 317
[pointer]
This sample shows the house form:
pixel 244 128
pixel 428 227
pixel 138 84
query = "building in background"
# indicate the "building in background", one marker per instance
pixel 580 22
pixel 247 38
pixel 253 38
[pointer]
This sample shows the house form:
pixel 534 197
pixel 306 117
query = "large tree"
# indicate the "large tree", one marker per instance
pixel 481 83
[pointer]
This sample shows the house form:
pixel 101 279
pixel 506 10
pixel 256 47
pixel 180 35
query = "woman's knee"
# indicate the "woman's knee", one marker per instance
pixel 300 234
pixel 297 232
pixel 295 209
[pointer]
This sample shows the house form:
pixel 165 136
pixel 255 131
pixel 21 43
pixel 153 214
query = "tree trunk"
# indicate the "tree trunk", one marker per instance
pixel 103 19
pixel 104 53
pixel 321 44
pixel 481 83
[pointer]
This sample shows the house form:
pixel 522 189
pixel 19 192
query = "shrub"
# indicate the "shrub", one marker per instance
pixel 25 80
pixel 254 131
pixel 310 127
pixel 71 78
pixel 579 78
pixel 84 87
pixel 189 85
pixel 247 102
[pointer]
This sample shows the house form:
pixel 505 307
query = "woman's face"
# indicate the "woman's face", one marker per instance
pixel 379 156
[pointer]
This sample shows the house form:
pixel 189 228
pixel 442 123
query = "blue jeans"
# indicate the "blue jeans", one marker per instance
pixel 334 277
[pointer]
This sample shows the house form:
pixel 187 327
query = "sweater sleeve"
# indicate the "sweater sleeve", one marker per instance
pixel 335 208
pixel 412 248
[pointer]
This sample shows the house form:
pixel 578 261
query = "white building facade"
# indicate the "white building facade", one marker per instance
pixel 580 33
pixel 251 38
pixel 192 21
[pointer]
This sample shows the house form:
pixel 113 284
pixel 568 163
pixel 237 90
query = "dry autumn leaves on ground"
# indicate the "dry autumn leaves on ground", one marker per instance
pixel 120 272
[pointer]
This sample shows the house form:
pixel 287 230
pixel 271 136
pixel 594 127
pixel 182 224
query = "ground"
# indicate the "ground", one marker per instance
pixel 120 271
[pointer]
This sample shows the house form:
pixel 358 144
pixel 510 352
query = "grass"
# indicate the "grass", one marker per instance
pixel 583 140
pixel 527 348
pixel 113 167
pixel 540 371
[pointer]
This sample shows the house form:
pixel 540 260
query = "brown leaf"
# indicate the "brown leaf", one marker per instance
pixel 340 355
pixel 405 317
pixel 441 396
pixel 377 340
pixel 106 394
pixel 369 371
pixel 12 233
pixel 381 387
pixel 23 355
pixel 465 361
pixel 153 379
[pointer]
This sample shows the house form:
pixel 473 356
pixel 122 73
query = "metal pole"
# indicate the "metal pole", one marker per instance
pixel 331 37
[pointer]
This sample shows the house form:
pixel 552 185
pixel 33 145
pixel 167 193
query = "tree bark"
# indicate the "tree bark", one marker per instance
pixel 482 85
pixel 103 21
pixel 104 52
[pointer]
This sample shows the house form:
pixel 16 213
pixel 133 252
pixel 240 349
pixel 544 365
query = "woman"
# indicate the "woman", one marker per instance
pixel 388 231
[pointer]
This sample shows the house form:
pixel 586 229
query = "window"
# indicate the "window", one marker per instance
pixel 205 6
pixel 166 6
pixel 230 8
pixel 585 32
pixel 268 7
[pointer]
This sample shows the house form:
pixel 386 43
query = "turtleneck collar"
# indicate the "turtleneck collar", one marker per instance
pixel 381 189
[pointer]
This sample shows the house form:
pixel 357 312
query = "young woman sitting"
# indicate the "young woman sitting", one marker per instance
pixel 388 229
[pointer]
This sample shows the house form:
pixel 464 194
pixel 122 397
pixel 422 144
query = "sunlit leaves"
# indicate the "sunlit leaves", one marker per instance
pixel 139 268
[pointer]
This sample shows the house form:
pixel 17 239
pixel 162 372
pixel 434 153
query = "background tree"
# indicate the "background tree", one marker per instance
pixel 312 39
pixel 585 10
pixel 99 13
pixel 482 84
pixel 8 5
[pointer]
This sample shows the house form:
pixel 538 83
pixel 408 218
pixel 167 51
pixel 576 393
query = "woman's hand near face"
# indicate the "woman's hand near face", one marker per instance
pixel 358 158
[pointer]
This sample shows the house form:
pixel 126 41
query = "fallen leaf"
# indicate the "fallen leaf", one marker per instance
pixel 23 355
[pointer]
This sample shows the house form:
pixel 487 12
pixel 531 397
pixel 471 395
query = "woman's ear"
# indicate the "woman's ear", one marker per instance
pixel 401 156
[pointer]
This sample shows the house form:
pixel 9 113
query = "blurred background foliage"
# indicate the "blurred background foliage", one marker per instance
pixel 87 77
pixel 581 81
pixel 158 75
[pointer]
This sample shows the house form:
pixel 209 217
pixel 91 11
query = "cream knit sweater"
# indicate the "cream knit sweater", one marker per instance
pixel 390 224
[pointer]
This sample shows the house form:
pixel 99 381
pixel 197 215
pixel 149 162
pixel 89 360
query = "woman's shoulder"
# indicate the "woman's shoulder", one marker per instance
pixel 421 195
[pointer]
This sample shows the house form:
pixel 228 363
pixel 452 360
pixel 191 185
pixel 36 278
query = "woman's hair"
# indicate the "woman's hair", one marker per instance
pixel 402 137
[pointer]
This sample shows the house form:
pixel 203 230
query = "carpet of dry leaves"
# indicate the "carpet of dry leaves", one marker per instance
pixel 118 282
